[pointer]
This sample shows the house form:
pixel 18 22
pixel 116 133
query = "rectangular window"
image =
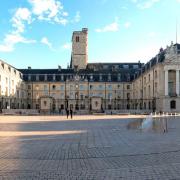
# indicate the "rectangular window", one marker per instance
pixel 109 95
pixel 77 38
pixel 45 87
pixel 62 87
pixel 144 80
pixel 128 95
pixel 100 87
pixel 81 87
pixel 37 87
pixel 110 87
pixel 81 96
pixel 29 86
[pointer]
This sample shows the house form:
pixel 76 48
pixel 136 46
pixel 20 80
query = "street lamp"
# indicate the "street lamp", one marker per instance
pixel 77 96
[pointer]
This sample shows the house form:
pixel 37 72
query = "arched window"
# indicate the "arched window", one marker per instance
pixel 173 104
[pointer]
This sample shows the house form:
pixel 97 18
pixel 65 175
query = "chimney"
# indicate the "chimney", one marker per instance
pixel 59 68
pixel 85 30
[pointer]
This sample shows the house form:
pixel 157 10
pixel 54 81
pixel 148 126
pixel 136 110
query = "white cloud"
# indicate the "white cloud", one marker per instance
pixel 11 40
pixel 127 24
pixel 45 41
pixel 65 13
pixel 77 17
pixel 62 21
pixel 67 46
pixel 49 10
pixel 20 18
pixel 144 4
pixel 46 8
pixel 113 27
pixel 6 48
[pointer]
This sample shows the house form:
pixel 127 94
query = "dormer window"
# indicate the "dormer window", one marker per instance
pixel 128 77
pixel 29 77
pixel 37 77
pixel 62 78
pixel 135 66
pixel 45 77
pixel 119 77
pixel 125 66
pixel 77 38
pixel 109 77
pixel 91 78
pixel 54 77
pixel 100 77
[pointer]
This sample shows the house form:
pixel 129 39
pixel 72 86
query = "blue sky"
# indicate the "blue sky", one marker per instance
pixel 37 33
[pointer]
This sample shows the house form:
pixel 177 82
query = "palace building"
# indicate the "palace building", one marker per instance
pixel 95 87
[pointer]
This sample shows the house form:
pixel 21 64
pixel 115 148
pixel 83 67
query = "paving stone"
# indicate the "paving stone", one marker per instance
pixel 86 148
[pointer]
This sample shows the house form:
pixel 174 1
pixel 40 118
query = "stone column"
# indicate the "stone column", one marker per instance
pixel 166 82
pixel 177 82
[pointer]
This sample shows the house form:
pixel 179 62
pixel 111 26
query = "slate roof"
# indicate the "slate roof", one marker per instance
pixel 127 71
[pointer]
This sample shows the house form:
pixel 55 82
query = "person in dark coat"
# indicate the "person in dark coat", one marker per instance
pixel 71 112
pixel 67 113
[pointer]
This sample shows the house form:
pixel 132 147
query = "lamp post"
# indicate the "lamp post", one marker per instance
pixel 2 102
pixel 1 105
pixel 115 101
pixel 77 96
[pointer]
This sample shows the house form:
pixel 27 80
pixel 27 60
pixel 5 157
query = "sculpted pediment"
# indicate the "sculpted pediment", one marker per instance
pixel 173 59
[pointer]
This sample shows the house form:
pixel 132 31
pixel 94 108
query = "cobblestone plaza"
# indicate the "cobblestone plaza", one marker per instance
pixel 94 147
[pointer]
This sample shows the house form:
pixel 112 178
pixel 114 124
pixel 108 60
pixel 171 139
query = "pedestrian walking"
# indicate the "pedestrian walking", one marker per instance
pixel 67 113
pixel 71 112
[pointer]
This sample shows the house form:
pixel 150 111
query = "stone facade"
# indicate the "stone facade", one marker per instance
pixel 13 92
pixel 95 87
pixel 80 49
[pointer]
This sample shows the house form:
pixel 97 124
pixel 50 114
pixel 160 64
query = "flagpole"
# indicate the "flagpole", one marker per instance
pixel 176 31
